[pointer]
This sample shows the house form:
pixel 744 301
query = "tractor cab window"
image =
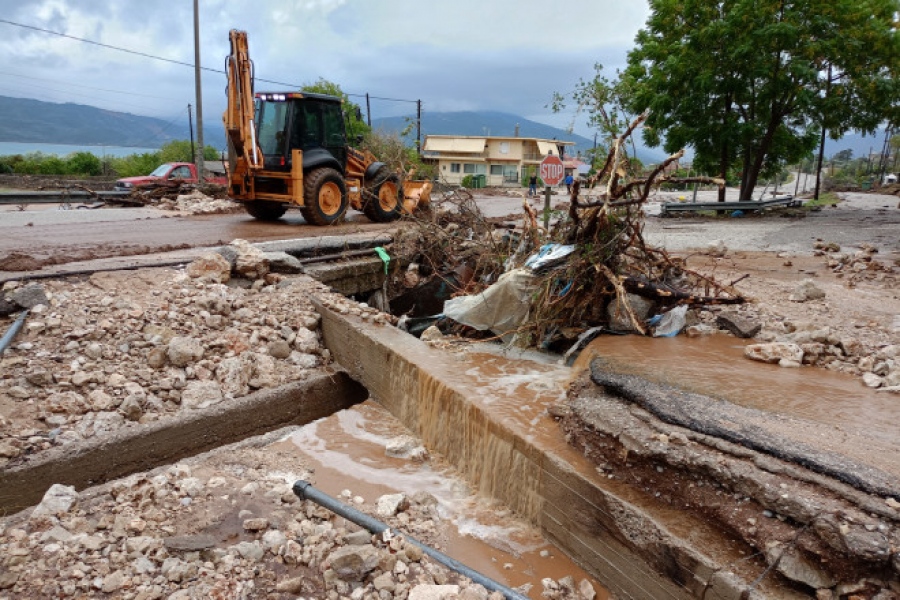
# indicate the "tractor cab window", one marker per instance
pixel 306 129
pixel 271 117
pixel 334 125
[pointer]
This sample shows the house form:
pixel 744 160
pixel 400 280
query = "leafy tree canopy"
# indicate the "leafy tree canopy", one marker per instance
pixel 355 125
pixel 753 82
pixel 750 84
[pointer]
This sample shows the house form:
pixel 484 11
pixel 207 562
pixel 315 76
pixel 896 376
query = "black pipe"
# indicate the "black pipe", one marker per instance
pixel 305 491
pixel 7 338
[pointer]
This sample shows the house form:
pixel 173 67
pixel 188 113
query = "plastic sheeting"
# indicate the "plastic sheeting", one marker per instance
pixel 501 308
pixel 549 256
pixel 672 322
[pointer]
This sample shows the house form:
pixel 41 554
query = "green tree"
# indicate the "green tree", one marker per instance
pixel 180 151
pixel 605 103
pixel 136 164
pixel 83 163
pixel 355 125
pixel 753 83
pixel 843 155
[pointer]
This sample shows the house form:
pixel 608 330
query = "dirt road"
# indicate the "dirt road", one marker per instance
pixel 32 239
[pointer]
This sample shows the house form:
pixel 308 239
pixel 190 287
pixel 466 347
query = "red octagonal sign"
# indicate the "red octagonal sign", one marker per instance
pixel 552 170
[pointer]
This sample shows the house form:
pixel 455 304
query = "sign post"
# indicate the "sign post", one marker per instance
pixel 552 173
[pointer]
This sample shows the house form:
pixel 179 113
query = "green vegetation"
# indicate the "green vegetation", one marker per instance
pixel 85 164
pixel 392 150
pixel 353 114
pixel 825 199
pixel 750 85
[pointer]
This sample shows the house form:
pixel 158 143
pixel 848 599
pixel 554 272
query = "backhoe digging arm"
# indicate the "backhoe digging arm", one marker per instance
pixel 239 115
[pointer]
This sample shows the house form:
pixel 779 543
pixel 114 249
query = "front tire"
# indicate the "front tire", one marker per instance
pixel 265 210
pixel 324 196
pixel 383 197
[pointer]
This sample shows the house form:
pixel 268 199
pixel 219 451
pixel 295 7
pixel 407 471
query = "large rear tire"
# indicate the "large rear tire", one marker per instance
pixel 324 196
pixel 265 210
pixel 383 197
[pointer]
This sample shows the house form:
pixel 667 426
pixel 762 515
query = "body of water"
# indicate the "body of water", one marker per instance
pixel 61 150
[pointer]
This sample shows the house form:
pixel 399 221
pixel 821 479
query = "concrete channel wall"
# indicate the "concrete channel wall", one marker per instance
pixel 626 543
pixel 98 460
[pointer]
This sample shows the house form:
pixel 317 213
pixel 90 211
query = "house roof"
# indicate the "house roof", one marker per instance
pixel 454 144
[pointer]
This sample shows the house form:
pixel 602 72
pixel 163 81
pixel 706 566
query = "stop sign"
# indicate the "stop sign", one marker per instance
pixel 552 170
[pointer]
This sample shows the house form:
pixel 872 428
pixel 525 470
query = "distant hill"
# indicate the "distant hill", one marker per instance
pixel 35 121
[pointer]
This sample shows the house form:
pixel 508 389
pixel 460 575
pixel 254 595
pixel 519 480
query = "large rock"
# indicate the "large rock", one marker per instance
pixel 28 296
pixel 806 290
pixel 618 316
pixel 353 563
pixel 391 504
pixel 234 376
pixel 785 354
pixel 56 501
pixel 182 351
pixel 282 262
pixel 250 262
pixel 67 403
pixel 306 341
pixel 199 394
pixel 406 446
pixel 796 567
pixel 738 325
pixel 212 266
pixel 433 592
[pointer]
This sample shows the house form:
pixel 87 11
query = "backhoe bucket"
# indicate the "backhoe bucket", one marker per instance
pixel 416 193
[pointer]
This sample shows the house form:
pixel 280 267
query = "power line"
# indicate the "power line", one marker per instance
pixel 102 45
pixel 87 87
pixel 171 60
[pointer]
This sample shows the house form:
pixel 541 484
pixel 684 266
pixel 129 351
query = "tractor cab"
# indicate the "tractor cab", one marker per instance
pixel 313 123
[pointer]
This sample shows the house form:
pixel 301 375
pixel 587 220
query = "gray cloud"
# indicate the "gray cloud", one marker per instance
pixel 504 56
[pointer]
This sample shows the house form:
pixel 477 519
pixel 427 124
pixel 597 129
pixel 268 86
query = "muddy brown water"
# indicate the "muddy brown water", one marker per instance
pixel 858 416
pixel 347 452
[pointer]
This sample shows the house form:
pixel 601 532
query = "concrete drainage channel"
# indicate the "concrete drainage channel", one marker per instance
pixel 605 528
pixel 96 461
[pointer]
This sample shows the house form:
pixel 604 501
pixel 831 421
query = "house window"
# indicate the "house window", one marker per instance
pixel 496 169
pixel 454 167
pixel 474 168
pixel 504 147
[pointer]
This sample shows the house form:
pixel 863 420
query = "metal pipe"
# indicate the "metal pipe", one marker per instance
pixel 305 491
pixel 7 338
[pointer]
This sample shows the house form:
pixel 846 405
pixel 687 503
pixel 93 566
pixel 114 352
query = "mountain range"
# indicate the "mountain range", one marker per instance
pixel 36 121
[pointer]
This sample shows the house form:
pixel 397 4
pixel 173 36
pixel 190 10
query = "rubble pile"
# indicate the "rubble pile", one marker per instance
pixel 116 348
pixel 591 270
pixel 225 526
pixel 861 265
pixel 198 203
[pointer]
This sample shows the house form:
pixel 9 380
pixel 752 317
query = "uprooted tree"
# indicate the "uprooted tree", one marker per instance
pixel 609 262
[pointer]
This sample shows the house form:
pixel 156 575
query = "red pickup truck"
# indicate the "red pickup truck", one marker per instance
pixel 171 175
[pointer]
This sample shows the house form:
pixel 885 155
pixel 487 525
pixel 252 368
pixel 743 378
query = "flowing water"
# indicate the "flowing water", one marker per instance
pixel 347 452
pixel 715 366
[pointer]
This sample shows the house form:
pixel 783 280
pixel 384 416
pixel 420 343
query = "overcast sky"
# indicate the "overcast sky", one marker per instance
pixel 505 55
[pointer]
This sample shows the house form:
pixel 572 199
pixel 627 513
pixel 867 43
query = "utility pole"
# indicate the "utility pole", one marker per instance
pixel 419 127
pixel 199 94
pixel 191 128
pixel 368 111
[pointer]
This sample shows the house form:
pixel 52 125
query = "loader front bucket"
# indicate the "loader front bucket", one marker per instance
pixel 416 192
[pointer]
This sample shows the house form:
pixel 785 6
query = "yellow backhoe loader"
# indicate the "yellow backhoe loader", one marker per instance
pixel 290 149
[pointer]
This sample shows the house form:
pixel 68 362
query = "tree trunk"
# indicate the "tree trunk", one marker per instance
pixel 724 163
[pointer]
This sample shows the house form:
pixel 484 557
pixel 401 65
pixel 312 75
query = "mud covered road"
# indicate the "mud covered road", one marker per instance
pixel 30 240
